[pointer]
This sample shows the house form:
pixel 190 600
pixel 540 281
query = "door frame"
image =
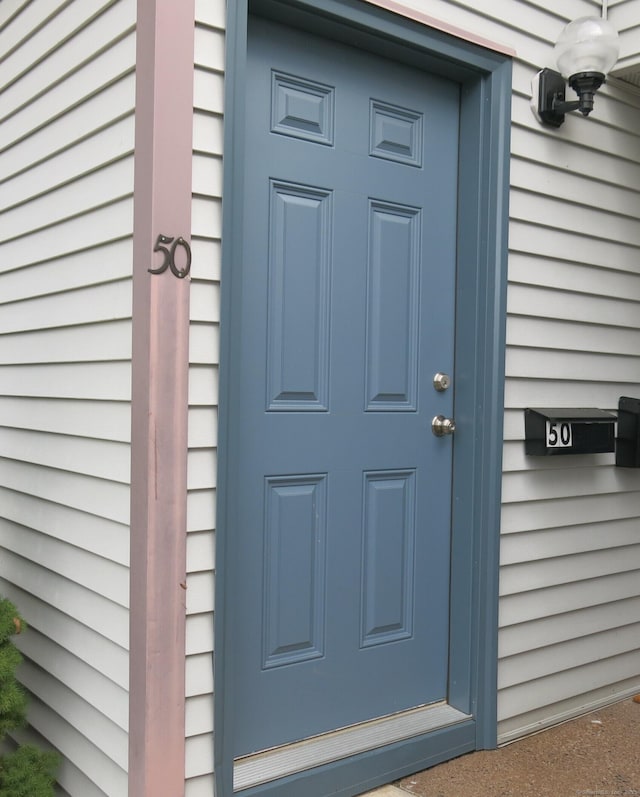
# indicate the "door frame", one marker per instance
pixel 485 79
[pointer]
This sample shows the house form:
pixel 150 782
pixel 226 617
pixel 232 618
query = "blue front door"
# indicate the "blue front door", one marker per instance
pixel 343 492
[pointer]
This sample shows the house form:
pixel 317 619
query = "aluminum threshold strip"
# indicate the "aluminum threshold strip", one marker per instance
pixel 252 770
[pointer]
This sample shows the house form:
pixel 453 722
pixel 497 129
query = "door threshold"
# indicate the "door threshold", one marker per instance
pixel 278 762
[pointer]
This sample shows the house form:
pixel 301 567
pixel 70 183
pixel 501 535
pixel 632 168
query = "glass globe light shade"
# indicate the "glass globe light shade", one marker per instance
pixel 588 44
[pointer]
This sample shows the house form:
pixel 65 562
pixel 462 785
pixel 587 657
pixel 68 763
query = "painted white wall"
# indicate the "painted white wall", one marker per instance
pixel 66 183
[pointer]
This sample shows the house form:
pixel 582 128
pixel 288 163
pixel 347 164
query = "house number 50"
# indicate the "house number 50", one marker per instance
pixel 170 256
pixel 559 435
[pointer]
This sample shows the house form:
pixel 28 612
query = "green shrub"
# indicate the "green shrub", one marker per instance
pixel 28 771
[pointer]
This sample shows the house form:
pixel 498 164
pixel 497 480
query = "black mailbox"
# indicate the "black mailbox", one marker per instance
pixel 562 431
pixel 628 442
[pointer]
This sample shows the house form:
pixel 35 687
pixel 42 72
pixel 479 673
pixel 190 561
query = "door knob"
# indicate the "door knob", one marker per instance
pixel 442 426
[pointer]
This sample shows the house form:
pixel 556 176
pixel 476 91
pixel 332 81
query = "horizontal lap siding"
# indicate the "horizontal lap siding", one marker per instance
pixel 570 547
pixel 66 183
pixel 203 381
pixel 570 552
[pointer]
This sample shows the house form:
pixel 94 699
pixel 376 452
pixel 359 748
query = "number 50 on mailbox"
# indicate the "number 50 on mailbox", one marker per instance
pixel 563 430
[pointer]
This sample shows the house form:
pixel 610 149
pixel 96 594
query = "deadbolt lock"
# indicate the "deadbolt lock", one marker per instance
pixel 441 382
pixel 442 426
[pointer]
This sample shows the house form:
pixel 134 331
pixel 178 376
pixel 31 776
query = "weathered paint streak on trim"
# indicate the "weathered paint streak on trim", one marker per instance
pixel 162 205
pixel 438 24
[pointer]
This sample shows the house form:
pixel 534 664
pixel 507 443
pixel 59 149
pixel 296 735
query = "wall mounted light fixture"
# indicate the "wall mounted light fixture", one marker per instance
pixel 585 52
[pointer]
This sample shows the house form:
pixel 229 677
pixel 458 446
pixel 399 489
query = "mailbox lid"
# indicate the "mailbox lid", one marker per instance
pixel 578 414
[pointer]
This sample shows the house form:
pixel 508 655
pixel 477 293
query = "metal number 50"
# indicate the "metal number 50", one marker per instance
pixel 170 256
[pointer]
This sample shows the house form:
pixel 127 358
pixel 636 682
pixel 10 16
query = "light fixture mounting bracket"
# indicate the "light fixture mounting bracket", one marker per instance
pixel 551 98
pixel 552 103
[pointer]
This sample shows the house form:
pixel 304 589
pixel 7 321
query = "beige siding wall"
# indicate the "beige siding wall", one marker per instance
pixel 66 180
pixel 203 388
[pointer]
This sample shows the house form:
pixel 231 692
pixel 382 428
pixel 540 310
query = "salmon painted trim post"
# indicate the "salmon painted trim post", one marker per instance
pixel 162 207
